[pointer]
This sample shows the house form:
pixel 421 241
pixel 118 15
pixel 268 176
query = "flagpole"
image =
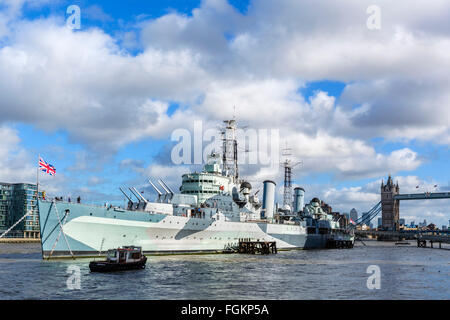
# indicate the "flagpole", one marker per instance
pixel 37 179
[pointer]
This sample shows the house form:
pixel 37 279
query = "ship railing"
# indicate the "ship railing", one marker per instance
pixel 109 206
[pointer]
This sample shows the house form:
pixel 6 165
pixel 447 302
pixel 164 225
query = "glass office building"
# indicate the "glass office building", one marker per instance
pixel 16 199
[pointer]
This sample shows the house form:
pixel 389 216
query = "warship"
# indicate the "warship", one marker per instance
pixel 214 209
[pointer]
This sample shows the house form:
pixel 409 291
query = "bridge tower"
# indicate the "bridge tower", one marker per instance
pixel 390 208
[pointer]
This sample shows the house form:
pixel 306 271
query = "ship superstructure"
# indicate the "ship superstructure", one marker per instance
pixel 213 210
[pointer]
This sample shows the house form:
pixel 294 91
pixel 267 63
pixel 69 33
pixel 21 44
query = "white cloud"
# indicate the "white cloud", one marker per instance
pixel 218 58
pixel 14 161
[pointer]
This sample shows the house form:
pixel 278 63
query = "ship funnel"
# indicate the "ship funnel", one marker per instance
pixel 299 199
pixel 156 189
pixel 268 199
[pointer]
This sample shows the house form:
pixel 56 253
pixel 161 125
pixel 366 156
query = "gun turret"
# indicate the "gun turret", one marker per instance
pixel 169 191
pixel 156 189
pixel 140 195
pixel 130 202
pixel 129 199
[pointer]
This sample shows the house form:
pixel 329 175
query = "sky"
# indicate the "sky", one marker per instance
pixel 353 103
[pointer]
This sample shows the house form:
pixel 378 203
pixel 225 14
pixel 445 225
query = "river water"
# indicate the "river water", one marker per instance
pixel 406 272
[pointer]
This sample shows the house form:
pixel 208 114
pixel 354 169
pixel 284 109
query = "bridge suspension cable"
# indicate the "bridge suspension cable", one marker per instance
pixel 367 217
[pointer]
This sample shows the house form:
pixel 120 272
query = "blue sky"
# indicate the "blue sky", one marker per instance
pixel 113 92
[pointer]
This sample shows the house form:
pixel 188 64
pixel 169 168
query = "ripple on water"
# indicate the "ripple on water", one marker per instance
pixel 406 273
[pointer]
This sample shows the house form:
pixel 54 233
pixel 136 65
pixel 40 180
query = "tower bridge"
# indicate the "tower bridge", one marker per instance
pixel 389 206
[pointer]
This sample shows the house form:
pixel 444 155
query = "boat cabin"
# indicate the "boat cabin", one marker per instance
pixel 125 254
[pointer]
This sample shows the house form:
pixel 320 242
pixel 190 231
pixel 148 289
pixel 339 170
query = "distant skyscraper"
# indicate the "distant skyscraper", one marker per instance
pixel 401 221
pixel 380 222
pixel 354 214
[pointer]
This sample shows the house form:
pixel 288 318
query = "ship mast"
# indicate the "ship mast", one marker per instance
pixel 229 155
pixel 287 164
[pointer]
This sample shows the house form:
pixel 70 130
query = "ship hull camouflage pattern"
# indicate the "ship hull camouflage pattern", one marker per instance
pixel 88 230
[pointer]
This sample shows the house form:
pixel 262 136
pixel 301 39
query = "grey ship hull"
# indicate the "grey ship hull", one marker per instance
pixel 71 229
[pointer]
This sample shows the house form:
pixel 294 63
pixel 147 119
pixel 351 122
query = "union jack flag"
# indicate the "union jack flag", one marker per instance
pixel 46 167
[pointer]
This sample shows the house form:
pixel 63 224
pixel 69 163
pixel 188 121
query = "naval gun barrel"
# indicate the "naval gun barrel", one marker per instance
pixel 162 185
pixel 165 184
pixel 129 199
pixel 140 195
pixel 166 188
pixel 137 197
pixel 168 196
pixel 156 189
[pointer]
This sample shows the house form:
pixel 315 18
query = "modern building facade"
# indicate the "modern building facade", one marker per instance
pixel 16 199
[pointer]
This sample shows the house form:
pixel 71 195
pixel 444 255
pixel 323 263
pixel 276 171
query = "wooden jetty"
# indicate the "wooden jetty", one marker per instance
pixel 339 244
pixel 257 247
pixel 433 237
